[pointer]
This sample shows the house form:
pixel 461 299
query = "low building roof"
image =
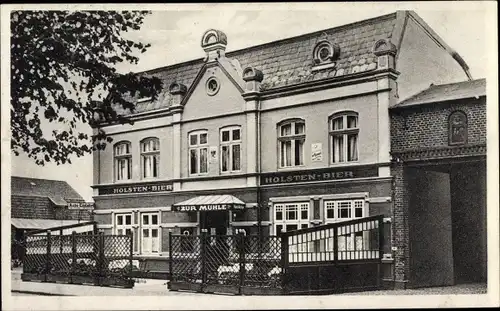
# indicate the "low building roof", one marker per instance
pixel 58 191
pixel 446 92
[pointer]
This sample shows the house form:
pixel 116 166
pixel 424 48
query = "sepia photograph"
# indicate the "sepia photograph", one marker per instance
pixel 248 156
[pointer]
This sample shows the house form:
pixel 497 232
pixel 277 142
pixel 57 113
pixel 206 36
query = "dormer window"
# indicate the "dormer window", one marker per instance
pixel 325 53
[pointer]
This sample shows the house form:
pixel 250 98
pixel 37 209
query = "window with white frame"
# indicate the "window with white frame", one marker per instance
pixel 150 157
pixel 344 132
pixel 198 152
pixel 150 230
pixel 290 216
pixel 123 161
pixel 291 137
pixel 342 210
pixel 230 140
pixel 123 224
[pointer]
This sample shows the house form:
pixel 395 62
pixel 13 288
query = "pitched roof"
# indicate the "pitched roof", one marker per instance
pixel 289 61
pixel 56 190
pixel 446 92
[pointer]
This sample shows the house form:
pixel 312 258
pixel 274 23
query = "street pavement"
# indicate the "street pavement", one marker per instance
pixel 150 287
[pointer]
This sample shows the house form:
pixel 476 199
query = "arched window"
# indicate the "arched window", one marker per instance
pixel 198 152
pixel 123 161
pixel 344 132
pixel 150 157
pixel 457 128
pixel 230 141
pixel 291 137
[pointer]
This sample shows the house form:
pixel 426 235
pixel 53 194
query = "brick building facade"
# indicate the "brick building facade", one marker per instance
pixel 438 144
pixel 285 135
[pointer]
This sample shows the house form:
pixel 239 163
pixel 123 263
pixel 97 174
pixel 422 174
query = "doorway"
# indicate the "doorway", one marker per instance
pixel 215 222
pixel 447 223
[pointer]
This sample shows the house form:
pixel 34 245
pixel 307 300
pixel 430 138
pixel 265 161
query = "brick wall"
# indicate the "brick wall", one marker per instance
pixel 426 127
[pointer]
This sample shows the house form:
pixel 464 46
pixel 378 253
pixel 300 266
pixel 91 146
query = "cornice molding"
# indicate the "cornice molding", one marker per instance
pixel 440 152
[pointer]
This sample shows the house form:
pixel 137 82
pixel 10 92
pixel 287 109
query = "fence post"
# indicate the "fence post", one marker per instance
pixel 203 257
pixel 335 245
pixel 73 254
pixel 131 251
pixel 284 261
pixel 381 228
pixel 100 257
pixel 241 258
pixel 60 241
pixel 47 256
pixel 170 264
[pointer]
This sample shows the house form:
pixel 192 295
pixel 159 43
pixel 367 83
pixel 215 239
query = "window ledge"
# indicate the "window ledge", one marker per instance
pixel 291 168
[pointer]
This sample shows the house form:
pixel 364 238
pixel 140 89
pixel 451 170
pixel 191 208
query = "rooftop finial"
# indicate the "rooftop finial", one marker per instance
pixel 214 43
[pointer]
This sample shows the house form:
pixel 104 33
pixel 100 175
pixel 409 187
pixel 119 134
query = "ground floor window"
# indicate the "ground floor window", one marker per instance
pixel 123 224
pixel 290 216
pixel 342 210
pixel 150 228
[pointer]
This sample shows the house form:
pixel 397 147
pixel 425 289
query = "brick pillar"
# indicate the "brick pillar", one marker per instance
pixel 400 226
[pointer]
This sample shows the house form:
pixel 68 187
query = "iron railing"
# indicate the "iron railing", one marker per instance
pixel 94 258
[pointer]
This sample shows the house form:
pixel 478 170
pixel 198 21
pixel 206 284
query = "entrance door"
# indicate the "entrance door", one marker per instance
pixel 431 253
pixel 217 243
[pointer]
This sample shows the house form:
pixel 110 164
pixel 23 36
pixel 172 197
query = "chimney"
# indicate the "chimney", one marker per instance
pixel 214 44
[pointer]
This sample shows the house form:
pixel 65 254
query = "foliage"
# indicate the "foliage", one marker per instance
pixel 63 71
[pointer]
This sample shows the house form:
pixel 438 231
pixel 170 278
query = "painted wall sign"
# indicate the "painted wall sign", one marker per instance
pixel 81 205
pixel 325 174
pixel 136 188
pixel 206 207
pixel 316 152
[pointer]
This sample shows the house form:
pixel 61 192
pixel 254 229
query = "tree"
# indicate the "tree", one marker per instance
pixel 63 70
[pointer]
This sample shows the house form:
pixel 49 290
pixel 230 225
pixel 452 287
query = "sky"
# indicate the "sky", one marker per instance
pixel 175 33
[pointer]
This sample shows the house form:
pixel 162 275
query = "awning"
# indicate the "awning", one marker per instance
pixel 209 203
pixel 26 223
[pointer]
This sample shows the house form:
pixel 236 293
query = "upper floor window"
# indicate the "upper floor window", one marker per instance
pixel 291 137
pixel 457 128
pixel 123 161
pixel 230 140
pixel 150 157
pixel 344 132
pixel 198 152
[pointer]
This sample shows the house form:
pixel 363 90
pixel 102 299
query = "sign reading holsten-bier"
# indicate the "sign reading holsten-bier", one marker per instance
pixel 326 174
pixel 137 188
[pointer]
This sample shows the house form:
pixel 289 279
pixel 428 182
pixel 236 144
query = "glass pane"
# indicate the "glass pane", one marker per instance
pixel 129 168
pixel 352 147
pixel 193 139
pixel 156 165
pixel 128 231
pixel 352 122
pixel 303 226
pixel 286 130
pixel 291 214
pixel 128 219
pixel 338 148
pixel 236 158
pixel 225 135
pixel 338 123
pixel 154 220
pixel 203 138
pixel 278 229
pixel 329 213
pixel 299 128
pixel 225 158
pixel 119 220
pixel 145 219
pixel 304 214
pixel 119 231
pixel 145 233
pixel 203 160
pixel 358 212
pixel 299 152
pixel 288 153
pixel 154 233
pixel 291 227
pixel 279 215
pixel 193 160
pixel 344 213
pixel 236 134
